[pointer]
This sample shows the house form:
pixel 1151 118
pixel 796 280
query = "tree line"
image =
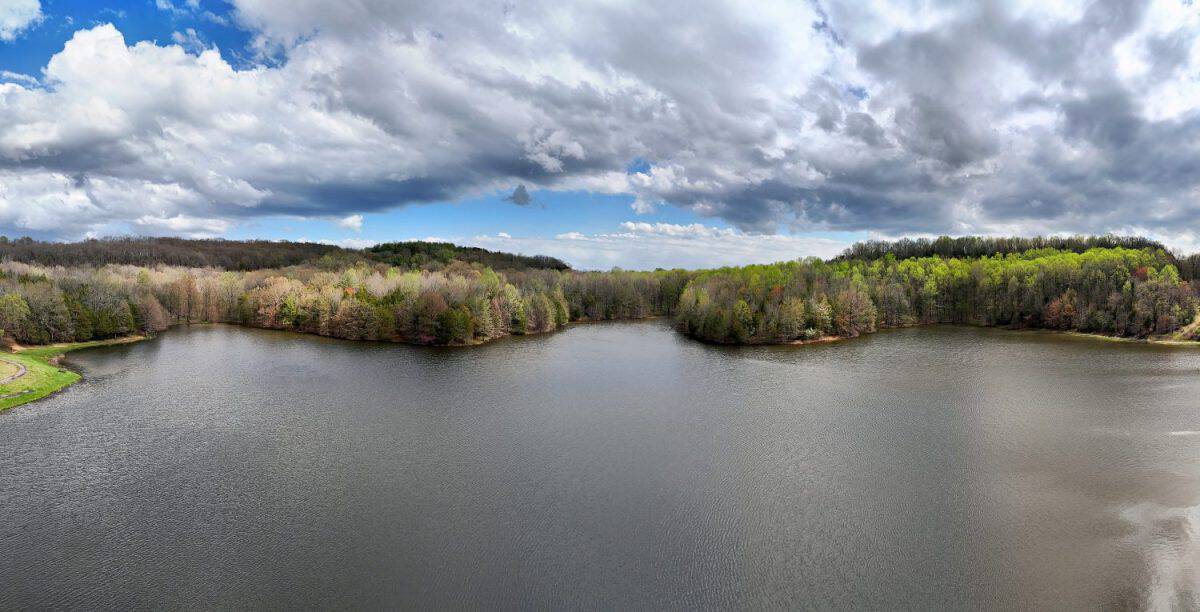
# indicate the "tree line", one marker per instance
pixel 245 255
pixel 1115 290
pixel 1111 290
pixel 418 255
pixel 460 304
pixel 215 253
pixel 969 247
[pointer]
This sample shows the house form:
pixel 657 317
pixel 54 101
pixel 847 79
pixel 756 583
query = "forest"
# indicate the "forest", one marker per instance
pixel 417 255
pixel 226 254
pixel 258 254
pixel 462 304
pixel 429 294
pixel 1115 291
pixel 970 247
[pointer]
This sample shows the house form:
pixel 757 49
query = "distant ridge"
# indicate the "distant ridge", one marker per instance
pixel 416 254
pixel 982 246
pixel 243 255
pixel 215 253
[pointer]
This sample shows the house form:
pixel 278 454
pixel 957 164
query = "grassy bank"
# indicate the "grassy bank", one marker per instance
pixel 43 376
pixel 1184 336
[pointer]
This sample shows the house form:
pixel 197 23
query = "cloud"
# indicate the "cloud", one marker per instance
pixel 352 222
pixel 16 16
pixel 643 246
pixel 520 196
pixel 190 40
pixel 180 224
pixel 189 9
pixel 892 117
pixel 346 243
pixel 642 207
pixel 44 202
pixel 695 230
pixel 17 77
pixel 182 8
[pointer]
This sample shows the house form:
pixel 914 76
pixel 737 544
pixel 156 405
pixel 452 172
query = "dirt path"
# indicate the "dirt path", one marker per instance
pixel 20 372
pixel 1190 329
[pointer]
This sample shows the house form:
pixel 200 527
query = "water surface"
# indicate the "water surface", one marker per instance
pixel 609 466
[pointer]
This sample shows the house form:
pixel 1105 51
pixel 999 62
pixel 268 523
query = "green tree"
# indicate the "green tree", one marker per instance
pixel 455 326
pixel 14 313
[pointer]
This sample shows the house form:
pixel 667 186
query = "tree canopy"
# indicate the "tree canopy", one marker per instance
pixel 983 246
pixel 258 254
pixel 1118 290
pixel 432 293
pixel 424 255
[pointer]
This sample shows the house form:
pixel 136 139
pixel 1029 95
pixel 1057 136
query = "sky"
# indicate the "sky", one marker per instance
pixel 689 133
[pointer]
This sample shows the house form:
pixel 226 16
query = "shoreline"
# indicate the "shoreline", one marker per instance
pixel 44 374
pixel 1162 340
pixel 1150 340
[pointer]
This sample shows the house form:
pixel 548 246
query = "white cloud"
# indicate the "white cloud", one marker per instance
pixel 16 16
pixel 189 39
pixel 642 206
pixel 17 77
pixel 352 222
pixel 42 202
pixel 644 246
pixel 181 224
pixel 345 243
pixel 695 230
pixel 171 7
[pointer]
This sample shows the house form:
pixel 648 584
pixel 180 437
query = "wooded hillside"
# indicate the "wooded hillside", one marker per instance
pixel 246 255
pixel 443 294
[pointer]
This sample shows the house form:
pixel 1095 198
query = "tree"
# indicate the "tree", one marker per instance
pixel 455 326
pixel 353 320
pixel 1060 313
pixel 791 319
pixel 820 314
pixel 14 313
pixel 430 306
pixel 742 328
pixel 153 317
pixel 48 321
pixel 853 314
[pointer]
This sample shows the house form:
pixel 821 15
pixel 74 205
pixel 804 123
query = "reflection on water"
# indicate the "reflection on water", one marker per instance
pixel 611 465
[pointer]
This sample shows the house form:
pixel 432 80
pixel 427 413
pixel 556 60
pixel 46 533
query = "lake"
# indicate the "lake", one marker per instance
pixel 613 465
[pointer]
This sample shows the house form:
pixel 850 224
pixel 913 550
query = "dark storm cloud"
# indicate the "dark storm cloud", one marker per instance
pixel 363 197
pixel 1108 119
pixel 930 128
pixel 520 196
pixel 863 127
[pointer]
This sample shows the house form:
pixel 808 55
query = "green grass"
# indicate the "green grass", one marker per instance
pixel 42 377
pixel 8 369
